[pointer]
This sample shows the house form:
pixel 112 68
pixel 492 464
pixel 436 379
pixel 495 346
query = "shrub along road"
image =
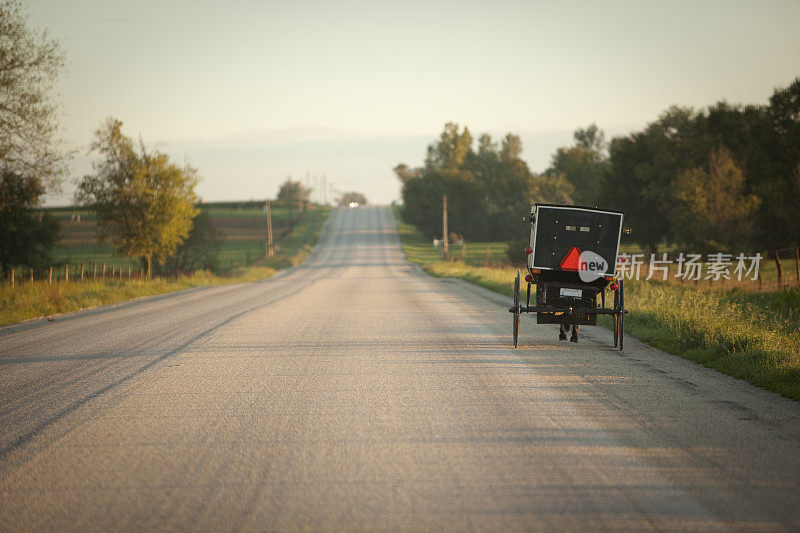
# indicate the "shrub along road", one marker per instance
pixel 356 392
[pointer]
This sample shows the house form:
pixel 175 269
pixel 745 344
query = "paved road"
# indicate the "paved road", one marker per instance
pixel 356 392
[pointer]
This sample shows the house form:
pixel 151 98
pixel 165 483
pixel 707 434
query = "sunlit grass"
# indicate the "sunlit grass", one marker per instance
pixel 30 300
pixel 748 335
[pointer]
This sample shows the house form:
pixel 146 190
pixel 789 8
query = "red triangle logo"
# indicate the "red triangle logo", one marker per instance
pixel 572 260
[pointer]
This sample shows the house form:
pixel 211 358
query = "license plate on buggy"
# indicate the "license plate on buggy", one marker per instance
pixel 571 293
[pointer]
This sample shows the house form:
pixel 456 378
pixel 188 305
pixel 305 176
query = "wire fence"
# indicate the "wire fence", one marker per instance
pixel 778 269
pixel 105 271
pixel 123 269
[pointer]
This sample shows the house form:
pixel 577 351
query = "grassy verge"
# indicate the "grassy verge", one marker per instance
pixel 29 300
pixel 750 336
pixel 294 248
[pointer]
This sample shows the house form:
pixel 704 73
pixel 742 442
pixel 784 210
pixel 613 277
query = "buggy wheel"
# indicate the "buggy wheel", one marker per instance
pixel 621 313
pixel 516 309
pixel 615 316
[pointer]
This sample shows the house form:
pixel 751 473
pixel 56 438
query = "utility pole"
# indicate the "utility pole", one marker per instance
pixel 300 196
pixel 270 249
pixel 308 187
pixel 444 225
pixel 290 202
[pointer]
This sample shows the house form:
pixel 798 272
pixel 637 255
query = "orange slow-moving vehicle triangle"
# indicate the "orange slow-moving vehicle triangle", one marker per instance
pixel 572 260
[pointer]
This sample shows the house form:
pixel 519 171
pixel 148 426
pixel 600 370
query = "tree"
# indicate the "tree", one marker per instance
pixel 781 216
pixel 452 149
pixel 487 191
pixel 199 250
pixel 715 212
pixel 405 173
pixel 591 138
pixel 508 192
pixel 290 192
pixel 29 66
pixel 584 168
pixel 26 237
pixel 647 170
pixel 643 167
pixel 552 189
pixel 511 148
pixel 144 203
pixel 32 160
pixel 583 165
pixel 348 197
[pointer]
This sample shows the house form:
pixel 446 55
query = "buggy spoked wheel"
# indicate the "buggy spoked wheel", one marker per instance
pixel 516 309
pixel 621 313
pixel 615 316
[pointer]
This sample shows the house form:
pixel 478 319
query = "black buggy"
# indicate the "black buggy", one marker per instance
pixel 572 259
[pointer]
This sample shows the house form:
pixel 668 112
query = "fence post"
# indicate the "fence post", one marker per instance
pixel 797 264
pixel 129 272
pixel 66 273
pixel 81 271
pixel 50 278
pixel 780 268
pixel 12 278
pixel 104 270
pixel 31 274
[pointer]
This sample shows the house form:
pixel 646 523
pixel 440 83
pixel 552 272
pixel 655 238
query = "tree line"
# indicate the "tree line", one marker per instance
pixel 487 189
pixel 723 178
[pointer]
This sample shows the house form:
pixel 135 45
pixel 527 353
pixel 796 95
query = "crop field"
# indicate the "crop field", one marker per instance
pixel 243 227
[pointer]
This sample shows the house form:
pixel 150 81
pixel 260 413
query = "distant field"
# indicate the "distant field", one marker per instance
pixel 243 226
pixel 26 300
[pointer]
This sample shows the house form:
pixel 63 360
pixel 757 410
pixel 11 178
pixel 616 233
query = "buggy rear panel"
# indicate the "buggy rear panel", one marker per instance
pixel 558 230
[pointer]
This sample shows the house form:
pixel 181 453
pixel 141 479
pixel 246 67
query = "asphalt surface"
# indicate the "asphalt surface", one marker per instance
pixel 355 392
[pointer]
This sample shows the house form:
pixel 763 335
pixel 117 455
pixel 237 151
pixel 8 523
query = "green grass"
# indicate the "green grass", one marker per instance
pixel 295 247
pixel 748 335
pixel 29 300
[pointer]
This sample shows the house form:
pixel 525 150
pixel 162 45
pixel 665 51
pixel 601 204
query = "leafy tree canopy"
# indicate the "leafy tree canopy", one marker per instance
pixel 290 192
pixel 26 236
pixel 32 159
pixel 144 203
pixel 30 63
pixel 651 174
pixel 487 190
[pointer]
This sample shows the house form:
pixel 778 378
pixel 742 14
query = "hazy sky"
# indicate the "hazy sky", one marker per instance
pixel 252 91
